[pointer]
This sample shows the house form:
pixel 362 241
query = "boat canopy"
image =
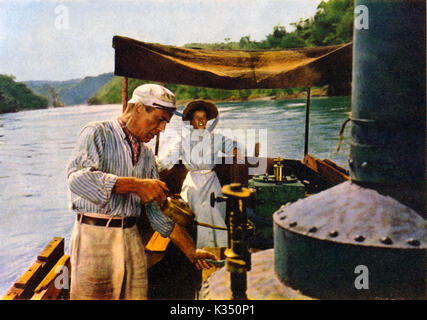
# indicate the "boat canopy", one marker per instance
pixel 233 69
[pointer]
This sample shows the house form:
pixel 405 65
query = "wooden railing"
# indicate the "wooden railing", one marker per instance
pixel 327 169
pixel 39 282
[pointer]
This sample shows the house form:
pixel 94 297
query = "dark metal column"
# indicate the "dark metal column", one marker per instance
pixel 238 261
pixel 388 148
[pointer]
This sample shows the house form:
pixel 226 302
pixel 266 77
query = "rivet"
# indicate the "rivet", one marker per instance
pixel 386 240
pixel 293 224
pixel 333 233
pixel 359 238
pixel 312 229
pixel 413 242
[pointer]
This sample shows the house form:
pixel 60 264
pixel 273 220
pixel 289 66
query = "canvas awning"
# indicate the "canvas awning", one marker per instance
pixel 232 69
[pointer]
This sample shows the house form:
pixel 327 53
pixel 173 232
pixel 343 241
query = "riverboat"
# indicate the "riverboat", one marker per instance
pixel 283 181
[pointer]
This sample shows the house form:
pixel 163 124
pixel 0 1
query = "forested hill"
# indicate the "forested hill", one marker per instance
pixel 16 96
pixel 331 24
pixel 71 92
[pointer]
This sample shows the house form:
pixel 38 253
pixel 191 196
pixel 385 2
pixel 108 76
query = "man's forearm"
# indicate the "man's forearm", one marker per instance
pixel 125 185
pixel 183 241
pixel 149 190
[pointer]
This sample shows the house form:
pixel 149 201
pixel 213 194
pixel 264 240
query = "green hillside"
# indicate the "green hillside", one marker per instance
pixel 71 92
pixel 16 96
pixel 112 92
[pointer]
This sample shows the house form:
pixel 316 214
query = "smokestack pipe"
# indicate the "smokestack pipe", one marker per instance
pixel 388 147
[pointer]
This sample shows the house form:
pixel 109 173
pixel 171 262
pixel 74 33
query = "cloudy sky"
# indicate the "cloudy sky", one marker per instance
pixel 61 40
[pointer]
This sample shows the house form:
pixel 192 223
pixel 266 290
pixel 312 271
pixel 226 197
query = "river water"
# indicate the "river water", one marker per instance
pixel 35 147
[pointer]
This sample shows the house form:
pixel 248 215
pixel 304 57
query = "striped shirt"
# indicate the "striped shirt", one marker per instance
pixel 101 156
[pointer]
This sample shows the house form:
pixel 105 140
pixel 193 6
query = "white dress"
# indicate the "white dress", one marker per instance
pixel 200 151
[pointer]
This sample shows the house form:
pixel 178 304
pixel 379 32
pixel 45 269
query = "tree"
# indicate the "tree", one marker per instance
pixel 332 24
pixel 15 96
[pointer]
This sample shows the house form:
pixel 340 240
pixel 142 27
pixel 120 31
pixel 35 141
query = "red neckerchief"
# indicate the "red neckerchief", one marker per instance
pixel 134 142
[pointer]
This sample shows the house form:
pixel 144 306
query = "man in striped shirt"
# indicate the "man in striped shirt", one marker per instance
pixel 113 181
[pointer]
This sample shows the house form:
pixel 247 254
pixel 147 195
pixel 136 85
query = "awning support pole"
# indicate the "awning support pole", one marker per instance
pixel 307 122
pixel 125 93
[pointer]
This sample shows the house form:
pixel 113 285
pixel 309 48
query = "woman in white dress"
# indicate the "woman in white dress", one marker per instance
pixel 200 150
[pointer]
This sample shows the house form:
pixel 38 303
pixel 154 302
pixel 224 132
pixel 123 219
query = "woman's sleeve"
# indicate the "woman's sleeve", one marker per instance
pixel 171 157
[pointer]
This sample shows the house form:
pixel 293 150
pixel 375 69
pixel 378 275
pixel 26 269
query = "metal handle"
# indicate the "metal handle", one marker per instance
pixel 216 263
pixel 217 199
pixel 206 225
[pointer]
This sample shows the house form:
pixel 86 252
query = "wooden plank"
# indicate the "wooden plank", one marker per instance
pixel 327 171
pixel 47 290
pixel 30 276
pixel 42 295
pixel 337 167
pixel 53 273
pixel 23 288
pixel 13 293
pixel 50 293
pixel 53 251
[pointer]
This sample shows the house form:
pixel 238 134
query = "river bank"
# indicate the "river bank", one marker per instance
pixel 316 92
pixel 302 94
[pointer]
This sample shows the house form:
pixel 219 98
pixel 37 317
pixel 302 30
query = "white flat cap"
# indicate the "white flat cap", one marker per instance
pixel 154 95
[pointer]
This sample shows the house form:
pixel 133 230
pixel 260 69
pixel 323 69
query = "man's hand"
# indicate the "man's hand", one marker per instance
pixel 149 190
pixel 152 190
pixel 183 241
pixel 199 259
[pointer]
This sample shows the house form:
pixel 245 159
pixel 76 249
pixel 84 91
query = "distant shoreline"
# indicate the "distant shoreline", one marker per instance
pixel 299 95
pixel 321 92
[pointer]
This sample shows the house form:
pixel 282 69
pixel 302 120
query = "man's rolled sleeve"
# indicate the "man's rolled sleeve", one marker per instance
pixel 84 178
pixel 94 186
pixel 159 221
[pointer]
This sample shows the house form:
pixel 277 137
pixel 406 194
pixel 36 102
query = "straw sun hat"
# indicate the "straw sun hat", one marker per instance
pixel 209 107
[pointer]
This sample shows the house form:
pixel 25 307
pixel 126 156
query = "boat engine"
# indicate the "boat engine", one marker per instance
pixel 272 191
